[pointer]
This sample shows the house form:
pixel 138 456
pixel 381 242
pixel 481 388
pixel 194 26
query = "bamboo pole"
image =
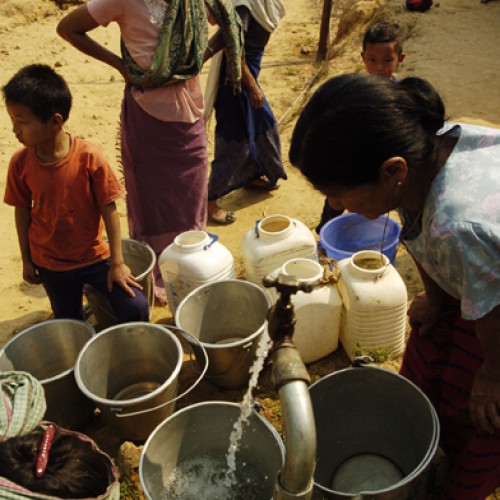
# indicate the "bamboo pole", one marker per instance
pixel 322 53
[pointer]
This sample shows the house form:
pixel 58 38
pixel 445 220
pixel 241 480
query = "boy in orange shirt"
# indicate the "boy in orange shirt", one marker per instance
pixel 62 189
pixel 382 54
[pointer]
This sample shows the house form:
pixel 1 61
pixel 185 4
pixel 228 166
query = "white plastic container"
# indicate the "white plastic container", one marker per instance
pixel 193 259
pixel 317 313
pixel 274 240
pixel 374 299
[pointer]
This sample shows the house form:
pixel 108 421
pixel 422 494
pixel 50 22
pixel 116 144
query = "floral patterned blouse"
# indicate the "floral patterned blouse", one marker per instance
pixel 459 244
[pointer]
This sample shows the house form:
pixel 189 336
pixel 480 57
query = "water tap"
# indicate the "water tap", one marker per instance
pixel 291 379
pixel 281 316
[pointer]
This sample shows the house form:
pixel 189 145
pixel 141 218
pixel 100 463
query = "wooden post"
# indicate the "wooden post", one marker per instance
pixel 324 31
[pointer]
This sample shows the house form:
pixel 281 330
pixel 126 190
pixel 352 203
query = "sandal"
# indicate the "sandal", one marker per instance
pixel 226 219
pixel 262 184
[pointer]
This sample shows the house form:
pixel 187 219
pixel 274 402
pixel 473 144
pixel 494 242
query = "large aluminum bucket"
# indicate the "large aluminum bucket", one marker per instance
pixel 198 436
pixel 377 433
pixel 140 258
pixel 228 318
pixel 130 368
pixel 48 351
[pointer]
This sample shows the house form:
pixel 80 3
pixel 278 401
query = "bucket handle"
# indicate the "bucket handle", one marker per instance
pixel 118 411
pixel 214 237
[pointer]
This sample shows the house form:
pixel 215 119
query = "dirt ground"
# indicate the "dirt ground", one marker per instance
pixel 452 45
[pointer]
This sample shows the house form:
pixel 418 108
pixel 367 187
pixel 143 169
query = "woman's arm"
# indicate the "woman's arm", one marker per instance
pixel 119 272
pixel 74 27
pixel 426 307
pixel 485 395
pixel 22 216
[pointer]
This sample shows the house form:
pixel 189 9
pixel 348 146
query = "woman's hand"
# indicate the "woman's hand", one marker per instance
pixel 485 395
pixel 424 313
pixel 485 400
pixel 256 96
pixel 121 275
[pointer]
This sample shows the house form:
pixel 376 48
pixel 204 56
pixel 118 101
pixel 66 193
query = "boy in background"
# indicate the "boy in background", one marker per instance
pixel 382 54
pixel 62 189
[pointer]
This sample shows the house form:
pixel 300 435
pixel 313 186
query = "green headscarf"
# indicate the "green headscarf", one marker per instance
pixel 183 40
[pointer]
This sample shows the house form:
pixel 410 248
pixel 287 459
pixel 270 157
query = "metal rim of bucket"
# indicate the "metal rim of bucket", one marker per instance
pixel 130 402
pixel 43 323
pixel 189 338
pixel 426 458
pixel 150 251
pixel 187 409
pixel 237 343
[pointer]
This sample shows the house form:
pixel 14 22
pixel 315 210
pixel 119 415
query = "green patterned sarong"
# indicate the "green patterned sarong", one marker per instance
pixel 183 40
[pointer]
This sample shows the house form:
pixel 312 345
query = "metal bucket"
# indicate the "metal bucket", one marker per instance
pixel 228 318
pixel 130 371
pixel 48 351
pixel 140 258
pixel 200 434
pixel 377 433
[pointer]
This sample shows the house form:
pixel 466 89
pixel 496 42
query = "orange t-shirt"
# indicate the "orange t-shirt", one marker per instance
pixel 65 199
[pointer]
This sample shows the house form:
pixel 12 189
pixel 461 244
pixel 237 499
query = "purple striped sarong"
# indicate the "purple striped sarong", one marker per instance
pixel 443 364
pixel 165 169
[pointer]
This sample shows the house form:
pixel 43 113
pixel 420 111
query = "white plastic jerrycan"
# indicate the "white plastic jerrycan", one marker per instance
pixel 375 300
pixel 317 313
pixel 191 260
pixel 274 240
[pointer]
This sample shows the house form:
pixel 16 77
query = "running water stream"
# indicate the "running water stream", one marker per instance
pixel 207 476
pixel 265 344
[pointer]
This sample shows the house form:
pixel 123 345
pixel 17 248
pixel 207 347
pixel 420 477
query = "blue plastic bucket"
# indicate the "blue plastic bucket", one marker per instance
pixel 347 234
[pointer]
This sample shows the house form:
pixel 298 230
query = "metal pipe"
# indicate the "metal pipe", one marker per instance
pixel 291 379
pixel 296 477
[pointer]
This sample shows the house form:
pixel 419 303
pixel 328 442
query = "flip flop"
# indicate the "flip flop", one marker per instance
pixel 229 218
pixel 262 184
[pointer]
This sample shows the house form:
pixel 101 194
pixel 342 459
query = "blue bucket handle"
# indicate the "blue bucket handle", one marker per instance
pixel 188 336
pixel 214 237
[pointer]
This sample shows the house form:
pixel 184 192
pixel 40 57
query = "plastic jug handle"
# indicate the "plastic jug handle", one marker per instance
pixel 361 361
pixel 256 227
pixel 214 239
pixel 118 411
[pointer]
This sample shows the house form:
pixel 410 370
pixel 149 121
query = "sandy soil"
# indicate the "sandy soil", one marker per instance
pixel 452 45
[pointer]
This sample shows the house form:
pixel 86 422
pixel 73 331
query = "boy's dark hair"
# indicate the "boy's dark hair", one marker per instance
pixel 41 89
pixel 384 32
pixel 75 469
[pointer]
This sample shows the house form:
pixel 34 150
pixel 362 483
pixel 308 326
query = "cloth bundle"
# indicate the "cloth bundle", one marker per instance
pixel 22 404
pixel 183 40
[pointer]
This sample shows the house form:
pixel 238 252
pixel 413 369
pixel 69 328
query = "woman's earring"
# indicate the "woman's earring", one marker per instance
pixel 399 183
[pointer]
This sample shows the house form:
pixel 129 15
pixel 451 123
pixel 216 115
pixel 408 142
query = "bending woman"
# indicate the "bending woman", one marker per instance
pixel 372 146
pixel 163 141
pixel 247 143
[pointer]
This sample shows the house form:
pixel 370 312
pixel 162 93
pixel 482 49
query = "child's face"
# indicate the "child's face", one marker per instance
pixel 382 59
pixel 29 130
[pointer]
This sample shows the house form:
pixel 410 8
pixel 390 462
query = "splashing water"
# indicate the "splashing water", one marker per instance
pixel 203 477
pixel 262 350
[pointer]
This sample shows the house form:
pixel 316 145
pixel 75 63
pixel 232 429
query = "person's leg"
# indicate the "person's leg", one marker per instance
pixel 327 214
pixel 65 291
pixel 125 307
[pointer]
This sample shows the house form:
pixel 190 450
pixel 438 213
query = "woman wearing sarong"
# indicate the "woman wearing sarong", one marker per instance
pixel 372 146
pixel 247 144
pixel 163 141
